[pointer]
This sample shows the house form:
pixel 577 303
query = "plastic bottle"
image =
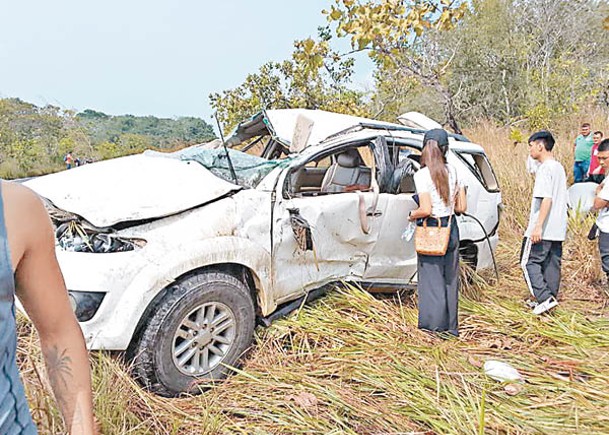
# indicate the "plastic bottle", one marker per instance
pixel 409 231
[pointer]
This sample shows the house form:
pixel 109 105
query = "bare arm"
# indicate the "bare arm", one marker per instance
pixel 544 210
pixel 424 209
pixel 599 203
pixel 461 201
pixel 42 291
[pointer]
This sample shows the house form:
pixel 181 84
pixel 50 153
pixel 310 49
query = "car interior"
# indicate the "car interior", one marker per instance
pixel 350 170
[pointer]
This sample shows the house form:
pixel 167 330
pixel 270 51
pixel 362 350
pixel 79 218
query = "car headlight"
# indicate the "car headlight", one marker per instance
pixel 73 237
pixel 85 304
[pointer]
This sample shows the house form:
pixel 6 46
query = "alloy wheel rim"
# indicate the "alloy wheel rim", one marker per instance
pixel 203 338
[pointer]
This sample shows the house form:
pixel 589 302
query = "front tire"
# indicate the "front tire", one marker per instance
pixel 204 323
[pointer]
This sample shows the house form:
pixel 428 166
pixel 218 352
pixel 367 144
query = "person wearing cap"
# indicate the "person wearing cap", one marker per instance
pixel 541 254
pixel 441 195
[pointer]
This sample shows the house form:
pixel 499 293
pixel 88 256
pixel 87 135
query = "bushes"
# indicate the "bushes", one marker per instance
pixel 34 140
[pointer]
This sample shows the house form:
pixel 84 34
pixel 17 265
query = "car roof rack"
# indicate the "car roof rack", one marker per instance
pixel 390 127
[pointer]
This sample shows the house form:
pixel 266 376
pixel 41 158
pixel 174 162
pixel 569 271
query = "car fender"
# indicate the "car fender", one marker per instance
pixel 113 330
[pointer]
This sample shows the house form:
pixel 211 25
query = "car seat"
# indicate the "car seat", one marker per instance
pixel 348 170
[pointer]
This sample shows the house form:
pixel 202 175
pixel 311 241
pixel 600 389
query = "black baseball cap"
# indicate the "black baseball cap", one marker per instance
pixel 439 135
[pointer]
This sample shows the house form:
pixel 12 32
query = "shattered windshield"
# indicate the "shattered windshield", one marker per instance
pixel 250 170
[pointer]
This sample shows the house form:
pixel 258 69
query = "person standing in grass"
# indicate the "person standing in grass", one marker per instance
pixel 601 203
pixel 29 269
pixel 583 151
pixel 596 173
pixel 441 194
pixel 542 246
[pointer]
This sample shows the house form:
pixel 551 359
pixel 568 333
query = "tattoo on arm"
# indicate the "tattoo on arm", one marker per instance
pixel 59 366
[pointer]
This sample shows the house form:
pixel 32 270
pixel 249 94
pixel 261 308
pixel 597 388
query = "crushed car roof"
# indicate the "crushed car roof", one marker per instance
pixel 133 188
pixel 282 123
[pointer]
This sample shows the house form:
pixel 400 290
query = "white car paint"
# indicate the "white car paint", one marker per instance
pixel 235 227
pixel 130 188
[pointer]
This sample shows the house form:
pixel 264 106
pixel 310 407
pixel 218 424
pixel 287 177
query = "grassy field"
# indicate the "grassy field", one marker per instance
pixel 356 364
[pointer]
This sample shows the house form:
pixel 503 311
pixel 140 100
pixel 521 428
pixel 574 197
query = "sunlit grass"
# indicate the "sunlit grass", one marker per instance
pixel 352 363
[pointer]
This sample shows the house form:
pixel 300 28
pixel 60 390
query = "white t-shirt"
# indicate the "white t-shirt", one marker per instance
pixel 550 182
pixel 602 220
pixel 424 183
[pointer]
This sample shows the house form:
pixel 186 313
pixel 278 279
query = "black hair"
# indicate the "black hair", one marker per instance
pixel 545 137
pixel 585 124
pixel 599 132
pixel 604 145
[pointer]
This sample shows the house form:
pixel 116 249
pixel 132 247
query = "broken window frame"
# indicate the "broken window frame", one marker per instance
pixel 286 190
pixel 481 168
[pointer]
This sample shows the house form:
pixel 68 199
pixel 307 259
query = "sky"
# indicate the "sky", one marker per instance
pixel 153 57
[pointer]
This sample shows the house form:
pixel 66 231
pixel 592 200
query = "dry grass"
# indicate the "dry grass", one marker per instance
pixel 352 363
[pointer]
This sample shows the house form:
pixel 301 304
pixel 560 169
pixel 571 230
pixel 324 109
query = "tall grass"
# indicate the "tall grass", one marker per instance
pixel 356 364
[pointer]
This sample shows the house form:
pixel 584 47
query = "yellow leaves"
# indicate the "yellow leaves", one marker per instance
pixel 380 24
pixel 606 23
pixel 308 45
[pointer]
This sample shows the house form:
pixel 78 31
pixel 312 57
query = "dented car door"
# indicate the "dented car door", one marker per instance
pixel 324 236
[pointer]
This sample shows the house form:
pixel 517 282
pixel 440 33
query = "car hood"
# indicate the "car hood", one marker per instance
pixel 132 188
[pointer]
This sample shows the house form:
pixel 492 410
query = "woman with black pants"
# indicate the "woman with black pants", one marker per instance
pixel 441 195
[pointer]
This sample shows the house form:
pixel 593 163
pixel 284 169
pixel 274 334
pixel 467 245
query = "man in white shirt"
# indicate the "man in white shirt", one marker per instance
pixel 601 203
pixel 542 247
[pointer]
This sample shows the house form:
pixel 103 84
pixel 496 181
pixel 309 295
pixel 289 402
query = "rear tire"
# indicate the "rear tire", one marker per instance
pixel 204 322
pixel 469 256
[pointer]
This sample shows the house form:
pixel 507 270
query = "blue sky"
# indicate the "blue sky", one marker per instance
pixel 152 57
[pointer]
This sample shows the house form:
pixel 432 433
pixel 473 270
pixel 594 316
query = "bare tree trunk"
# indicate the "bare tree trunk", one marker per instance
pixel 450 110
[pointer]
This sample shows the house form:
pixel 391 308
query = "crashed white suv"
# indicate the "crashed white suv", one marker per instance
pixel 168 257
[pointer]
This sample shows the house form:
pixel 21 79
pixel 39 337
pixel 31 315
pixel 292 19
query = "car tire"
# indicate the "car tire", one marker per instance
pixel 468 253
pixel 203 324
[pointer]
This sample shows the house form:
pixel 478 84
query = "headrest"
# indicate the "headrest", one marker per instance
pixel 349 159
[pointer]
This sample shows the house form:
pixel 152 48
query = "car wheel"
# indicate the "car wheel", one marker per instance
pixel 469 256
pixel 204 324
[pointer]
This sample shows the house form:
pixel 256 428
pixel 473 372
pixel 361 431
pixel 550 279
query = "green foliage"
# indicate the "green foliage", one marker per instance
pixel 500 62
pixel 401 37
pixel 315 77
pixel 34 140
pixel 161 132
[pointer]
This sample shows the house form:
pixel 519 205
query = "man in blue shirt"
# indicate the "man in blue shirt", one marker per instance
pixel 583 151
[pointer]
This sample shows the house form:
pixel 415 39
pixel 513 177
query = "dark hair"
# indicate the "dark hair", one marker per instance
pixel 434 159
pixel 545 137
pixel 585 124
pixel 604 145
pixel 599 132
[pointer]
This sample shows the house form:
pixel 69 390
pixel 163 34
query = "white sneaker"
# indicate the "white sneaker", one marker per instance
pixel 545 306
pixel 531 303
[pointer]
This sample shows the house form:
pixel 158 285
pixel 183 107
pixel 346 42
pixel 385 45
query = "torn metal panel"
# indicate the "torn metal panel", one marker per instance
pixel 166 215
pixel 131 188
pixel 301 230
pixel 283 123
pixel 340 246
pixel 418 120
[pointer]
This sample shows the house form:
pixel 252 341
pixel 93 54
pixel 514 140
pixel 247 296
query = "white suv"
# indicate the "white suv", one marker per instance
pixel 170 259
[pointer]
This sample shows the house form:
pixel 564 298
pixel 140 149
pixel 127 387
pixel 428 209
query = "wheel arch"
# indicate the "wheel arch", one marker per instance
pixel 245 274
pixel 246 260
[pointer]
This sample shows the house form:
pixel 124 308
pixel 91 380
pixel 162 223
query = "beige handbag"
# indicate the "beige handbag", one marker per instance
pixel 434 240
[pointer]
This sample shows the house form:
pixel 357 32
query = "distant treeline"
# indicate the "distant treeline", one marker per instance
pixel 34 140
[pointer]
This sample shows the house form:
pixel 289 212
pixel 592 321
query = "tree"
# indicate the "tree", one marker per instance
pixel 507 60
pixel 315 77
pixel 396 34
